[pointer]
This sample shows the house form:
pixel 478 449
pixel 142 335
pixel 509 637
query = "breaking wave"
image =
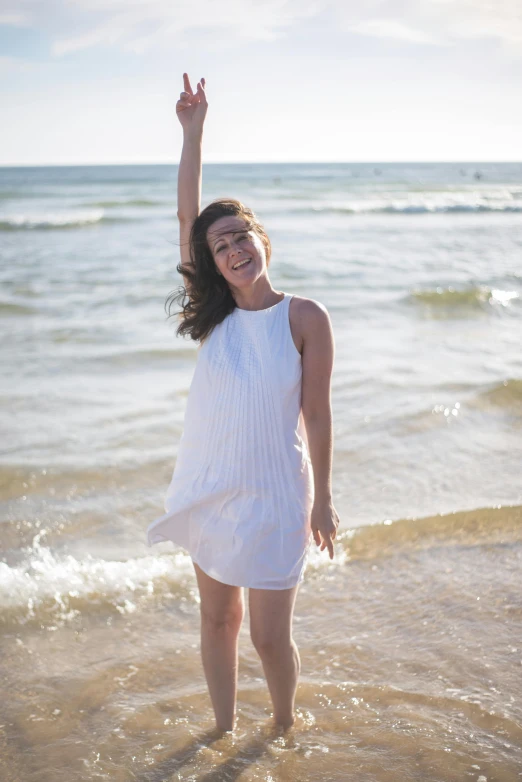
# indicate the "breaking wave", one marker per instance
pixel 53 587
pixel 51 221
pixel 474 296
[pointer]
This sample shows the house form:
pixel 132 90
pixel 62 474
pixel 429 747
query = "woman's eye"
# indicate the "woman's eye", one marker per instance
pixel 241 237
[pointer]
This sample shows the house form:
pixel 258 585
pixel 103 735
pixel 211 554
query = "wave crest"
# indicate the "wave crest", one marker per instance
pixel 410 206
pixel 507 395
pixel 54 220
pixel 14 308
pixel 481 527
pixel 53 588
pixel 474 296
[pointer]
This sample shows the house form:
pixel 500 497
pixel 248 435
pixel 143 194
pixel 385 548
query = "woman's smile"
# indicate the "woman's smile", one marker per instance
pixel 240 264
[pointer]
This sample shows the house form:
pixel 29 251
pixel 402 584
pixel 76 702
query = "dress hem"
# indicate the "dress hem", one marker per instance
pixel 249 586
pixel 227 583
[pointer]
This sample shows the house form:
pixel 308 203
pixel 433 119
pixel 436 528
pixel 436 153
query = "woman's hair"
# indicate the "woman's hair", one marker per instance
pixel 210 299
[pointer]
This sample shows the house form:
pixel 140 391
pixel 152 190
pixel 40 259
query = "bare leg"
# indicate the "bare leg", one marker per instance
pixel 222 612
pixel 271 614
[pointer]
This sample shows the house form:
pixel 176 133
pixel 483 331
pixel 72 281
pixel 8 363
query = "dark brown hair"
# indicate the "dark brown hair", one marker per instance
pixel 210 299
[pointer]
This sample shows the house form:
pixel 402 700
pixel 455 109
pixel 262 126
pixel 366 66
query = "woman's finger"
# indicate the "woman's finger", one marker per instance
pixel 326 541
pixel 330 548
pixel 186 84
pixel 200 94
pixel 183 106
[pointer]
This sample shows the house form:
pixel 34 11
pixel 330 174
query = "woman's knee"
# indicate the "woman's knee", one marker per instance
pixel 222 619
pixel 271 614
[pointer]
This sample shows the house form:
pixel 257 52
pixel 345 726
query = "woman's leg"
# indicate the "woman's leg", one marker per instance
pixel 271 614
pixel 222 612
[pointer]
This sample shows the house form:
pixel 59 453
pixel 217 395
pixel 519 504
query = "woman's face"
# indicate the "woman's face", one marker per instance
pixel 231 242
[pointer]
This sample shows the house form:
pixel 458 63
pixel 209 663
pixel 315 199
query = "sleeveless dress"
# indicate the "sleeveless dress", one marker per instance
pixel 242 489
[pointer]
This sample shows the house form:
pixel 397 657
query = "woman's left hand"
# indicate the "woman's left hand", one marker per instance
pixel 324 523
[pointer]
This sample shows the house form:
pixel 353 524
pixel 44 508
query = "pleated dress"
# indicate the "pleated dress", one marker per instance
pixel 242 489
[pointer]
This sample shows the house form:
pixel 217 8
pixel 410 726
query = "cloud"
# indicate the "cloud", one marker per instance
pixel 389 28
pixel 484 19
pixel 436 22
pixel 140 25
pixel 136 25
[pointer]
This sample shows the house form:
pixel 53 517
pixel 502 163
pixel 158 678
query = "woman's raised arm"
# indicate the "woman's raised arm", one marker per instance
pixel 191 109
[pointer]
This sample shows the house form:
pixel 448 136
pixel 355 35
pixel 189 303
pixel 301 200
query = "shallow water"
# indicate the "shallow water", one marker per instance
pixel 410 653
pixel 410 639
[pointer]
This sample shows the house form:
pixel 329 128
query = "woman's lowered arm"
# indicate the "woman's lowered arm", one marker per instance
pixel 317 360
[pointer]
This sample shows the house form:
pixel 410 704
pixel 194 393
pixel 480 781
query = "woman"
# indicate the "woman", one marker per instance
pixel 252 482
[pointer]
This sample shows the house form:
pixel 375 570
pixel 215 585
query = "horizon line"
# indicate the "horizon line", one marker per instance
pixel 257 162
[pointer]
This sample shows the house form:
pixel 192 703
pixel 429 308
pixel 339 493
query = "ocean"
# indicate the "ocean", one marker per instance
pixel 410 639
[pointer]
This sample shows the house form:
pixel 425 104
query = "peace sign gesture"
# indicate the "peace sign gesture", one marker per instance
pixel 191 107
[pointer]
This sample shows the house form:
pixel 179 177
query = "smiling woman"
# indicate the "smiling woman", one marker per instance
pixel 222 235
pixel 251 487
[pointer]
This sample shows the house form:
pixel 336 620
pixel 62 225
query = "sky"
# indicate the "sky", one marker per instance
pixel 96 81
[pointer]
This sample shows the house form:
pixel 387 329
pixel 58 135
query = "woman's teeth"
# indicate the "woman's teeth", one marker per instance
pixel 243 263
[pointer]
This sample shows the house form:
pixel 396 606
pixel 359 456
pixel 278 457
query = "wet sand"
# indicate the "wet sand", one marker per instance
pixel 411 669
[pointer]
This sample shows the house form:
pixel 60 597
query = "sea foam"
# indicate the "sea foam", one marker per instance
pixel 51 220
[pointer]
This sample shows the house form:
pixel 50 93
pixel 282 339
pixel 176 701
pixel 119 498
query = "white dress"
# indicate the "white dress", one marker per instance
pixel 242 490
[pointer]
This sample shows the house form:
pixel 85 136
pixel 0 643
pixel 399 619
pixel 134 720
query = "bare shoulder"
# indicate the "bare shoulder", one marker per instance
pixel 307 316
pixel 308 308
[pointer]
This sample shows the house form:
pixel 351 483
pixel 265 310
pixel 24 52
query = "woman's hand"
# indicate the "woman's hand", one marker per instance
pixel 324 522
pixel 191 107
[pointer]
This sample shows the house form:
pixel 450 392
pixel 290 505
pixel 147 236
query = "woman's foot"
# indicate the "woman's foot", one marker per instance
pixel 284 724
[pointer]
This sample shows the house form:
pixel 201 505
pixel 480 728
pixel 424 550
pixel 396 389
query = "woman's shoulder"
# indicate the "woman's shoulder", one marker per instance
pixel 307 307
pixel 307 316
